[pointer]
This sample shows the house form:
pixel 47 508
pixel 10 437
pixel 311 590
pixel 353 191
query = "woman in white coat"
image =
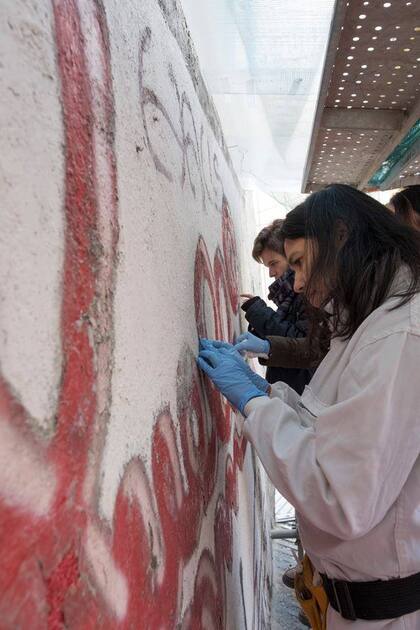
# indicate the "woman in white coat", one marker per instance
pixel 346 453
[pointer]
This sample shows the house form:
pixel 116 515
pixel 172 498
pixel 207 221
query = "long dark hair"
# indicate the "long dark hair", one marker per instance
pixel 357 272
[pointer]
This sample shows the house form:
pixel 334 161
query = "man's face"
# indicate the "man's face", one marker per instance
pixel 275 263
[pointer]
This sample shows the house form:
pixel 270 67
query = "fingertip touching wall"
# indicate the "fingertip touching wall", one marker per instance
pixel 128 497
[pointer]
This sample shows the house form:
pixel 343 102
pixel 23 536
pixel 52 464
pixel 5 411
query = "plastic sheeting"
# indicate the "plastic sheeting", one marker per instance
pixel 262 61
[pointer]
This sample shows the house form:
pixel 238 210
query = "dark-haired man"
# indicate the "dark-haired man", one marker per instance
pixel 289 320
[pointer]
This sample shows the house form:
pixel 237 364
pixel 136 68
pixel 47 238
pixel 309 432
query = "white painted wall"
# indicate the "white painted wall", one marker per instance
pixel 80 488
pixel 160 223
pixel 31 217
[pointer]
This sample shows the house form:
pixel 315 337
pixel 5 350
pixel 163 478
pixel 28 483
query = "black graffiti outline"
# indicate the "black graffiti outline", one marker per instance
pixel 188 143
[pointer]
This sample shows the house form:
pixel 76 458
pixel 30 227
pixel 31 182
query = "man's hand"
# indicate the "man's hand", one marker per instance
pixel 247 342
pixel 248 296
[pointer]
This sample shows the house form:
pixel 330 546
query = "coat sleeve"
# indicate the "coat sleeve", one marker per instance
pixel 345 472
pixel 266 321
pixel 285 393
pixel 289 352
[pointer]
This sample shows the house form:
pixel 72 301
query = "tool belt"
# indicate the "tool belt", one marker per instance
pixel 311 595
pixel 380 599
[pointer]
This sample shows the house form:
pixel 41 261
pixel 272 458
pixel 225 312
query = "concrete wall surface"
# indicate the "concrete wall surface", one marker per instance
pixel 128 497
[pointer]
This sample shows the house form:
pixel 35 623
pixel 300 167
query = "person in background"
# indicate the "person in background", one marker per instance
pixel 406 205
pixel 288 321
pixel 347 453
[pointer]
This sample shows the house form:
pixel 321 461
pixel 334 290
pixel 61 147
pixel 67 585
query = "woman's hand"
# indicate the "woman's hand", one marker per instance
pixel 224 346
pixel 230 374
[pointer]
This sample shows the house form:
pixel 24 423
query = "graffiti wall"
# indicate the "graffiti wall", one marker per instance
pixel 128 496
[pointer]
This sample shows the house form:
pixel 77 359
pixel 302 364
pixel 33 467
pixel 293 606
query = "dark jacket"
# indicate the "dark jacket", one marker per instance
pixel 289 320
pixel 294 352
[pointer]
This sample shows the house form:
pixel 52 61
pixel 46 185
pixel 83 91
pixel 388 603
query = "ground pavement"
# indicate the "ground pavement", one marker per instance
pixel 284 615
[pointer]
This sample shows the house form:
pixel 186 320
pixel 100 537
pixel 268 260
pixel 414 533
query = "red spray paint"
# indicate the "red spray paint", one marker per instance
pixel 48 576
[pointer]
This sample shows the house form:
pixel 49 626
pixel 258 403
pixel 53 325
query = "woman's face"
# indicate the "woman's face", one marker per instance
pixel 300 254
pixel 412 219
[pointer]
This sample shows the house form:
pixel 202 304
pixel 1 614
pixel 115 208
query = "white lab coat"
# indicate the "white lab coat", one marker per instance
pixel 346 455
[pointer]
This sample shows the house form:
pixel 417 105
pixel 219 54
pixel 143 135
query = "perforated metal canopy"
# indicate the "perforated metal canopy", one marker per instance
pixel 367 129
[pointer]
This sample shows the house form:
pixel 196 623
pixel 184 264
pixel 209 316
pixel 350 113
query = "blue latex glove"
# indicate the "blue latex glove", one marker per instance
pixel 223 347
pixel 255 378
pixel 229 377
pixel 210 344
pixel 247 342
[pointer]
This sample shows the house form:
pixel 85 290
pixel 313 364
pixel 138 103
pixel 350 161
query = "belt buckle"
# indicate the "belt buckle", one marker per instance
pixel 344 604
